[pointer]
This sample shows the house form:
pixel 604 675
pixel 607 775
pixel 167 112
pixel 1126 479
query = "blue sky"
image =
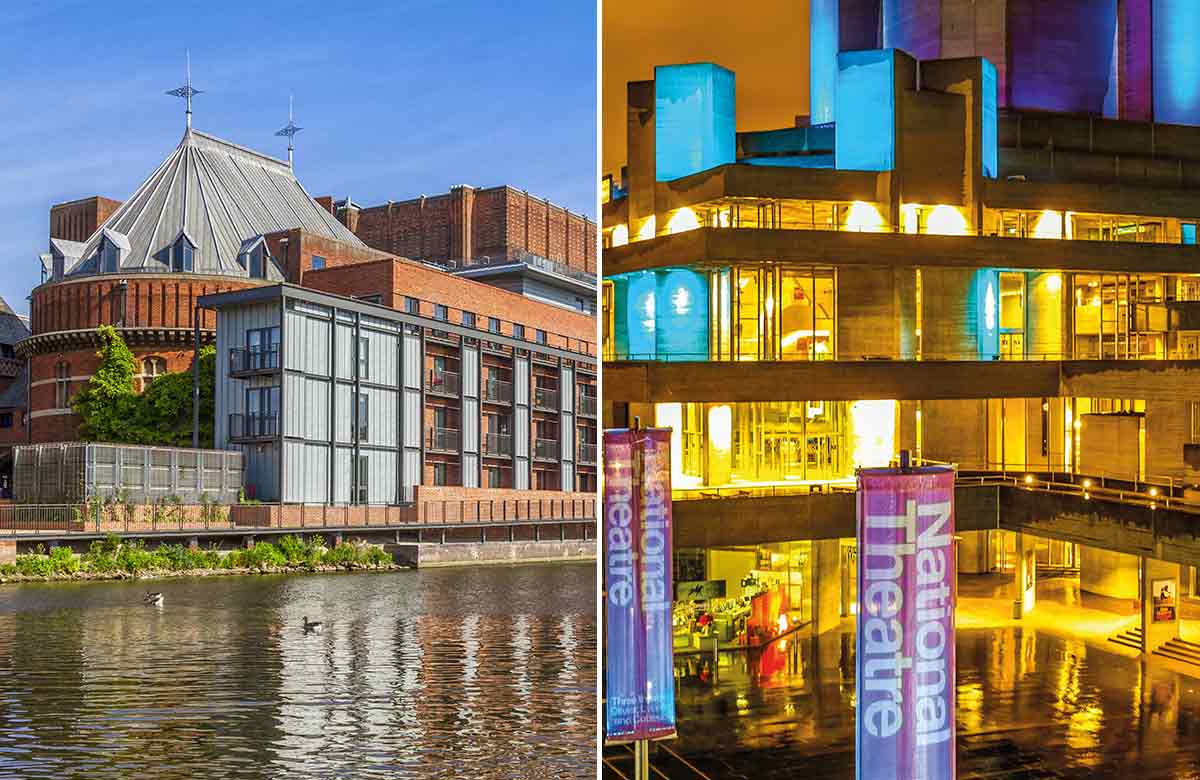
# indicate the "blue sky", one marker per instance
pixel 396 99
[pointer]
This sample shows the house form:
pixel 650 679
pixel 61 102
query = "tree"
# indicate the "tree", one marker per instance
pixel 107 405
pixel 162 415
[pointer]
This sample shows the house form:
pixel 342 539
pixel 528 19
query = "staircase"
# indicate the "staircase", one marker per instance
pixel 1131 638
pixel 1179 650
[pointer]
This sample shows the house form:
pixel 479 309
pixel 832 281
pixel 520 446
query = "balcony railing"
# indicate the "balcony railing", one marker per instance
pixel 245 427
pixel 587 453
pixel 442 440
pixel 497 445
pixel 545 398
pixel 498 391
pixel 442 382
pixel 586 405
pixel 545 449
pixel 253 360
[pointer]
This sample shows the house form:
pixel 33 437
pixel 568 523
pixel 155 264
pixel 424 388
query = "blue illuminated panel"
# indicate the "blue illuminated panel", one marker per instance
pixel 1188 231
pixel 1176 62
pixel 991 147
pixel 823 59
pixel 987 312
pixel 681 306
pixel 640 319
pixel 695 120
pixel 866 111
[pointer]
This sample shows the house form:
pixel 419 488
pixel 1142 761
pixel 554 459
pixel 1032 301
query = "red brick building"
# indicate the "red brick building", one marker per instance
pixel 218 217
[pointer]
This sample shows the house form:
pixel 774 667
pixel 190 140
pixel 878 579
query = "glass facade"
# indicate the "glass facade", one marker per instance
pixel 742 444
pixel 768 592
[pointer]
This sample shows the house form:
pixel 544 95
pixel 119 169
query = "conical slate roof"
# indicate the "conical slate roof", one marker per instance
pixel 216 193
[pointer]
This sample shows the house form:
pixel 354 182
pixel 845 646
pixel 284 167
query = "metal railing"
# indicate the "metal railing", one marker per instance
pixel 497 444
pixel 442 439
pixel 442 382
pixel 587 453
pixel 166 518
pixel 497 391
pixel 545 398
pixel 252 360
pixel 545 449
pixel 586 405
pixel 253 426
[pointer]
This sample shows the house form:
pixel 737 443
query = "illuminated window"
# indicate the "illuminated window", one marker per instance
pixel 318 262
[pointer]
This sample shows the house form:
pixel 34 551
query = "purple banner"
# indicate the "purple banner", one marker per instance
pixel 906 595
pixel 639 661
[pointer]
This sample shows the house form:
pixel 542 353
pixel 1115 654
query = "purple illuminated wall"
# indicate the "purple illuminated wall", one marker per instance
pixel 915 26
pixel 1060 54
pixel 1135 62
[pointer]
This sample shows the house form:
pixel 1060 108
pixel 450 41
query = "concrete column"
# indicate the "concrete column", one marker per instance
pixel 1107 573
pixel 972 552
pixel 1160 603
pixel 826 585
pixel 8 551
pixel 1025 575
pixel 719 443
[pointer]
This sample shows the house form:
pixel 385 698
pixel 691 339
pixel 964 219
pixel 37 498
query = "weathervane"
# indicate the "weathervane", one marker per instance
pixel 291 129
pixel 187 90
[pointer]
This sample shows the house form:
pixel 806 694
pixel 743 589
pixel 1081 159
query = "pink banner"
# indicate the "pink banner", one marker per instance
pixel 906 596
pixel 639 671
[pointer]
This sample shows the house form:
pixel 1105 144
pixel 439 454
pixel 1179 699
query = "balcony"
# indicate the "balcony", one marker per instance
pixel 439 382
pixel 587 453
pixel 545 398
pixel 586 405
pixel 253 427
pixel 497 445
pixel 442 440
pixel 249 361
pixel 497 391
pixel 545 449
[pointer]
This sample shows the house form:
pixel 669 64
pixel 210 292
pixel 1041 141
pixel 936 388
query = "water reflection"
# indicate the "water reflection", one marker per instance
pixel 487 673
pixel 1030 705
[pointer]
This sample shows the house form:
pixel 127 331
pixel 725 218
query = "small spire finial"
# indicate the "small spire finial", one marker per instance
pixel 187 90
pixel 291 129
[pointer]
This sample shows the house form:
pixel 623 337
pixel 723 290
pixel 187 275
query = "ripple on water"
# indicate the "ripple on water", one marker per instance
pixel 485 673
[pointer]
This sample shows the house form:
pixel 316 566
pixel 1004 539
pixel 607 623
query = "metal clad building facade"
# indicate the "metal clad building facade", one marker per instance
pixel 326 396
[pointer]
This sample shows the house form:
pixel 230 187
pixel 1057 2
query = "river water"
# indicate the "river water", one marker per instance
pixel 483 673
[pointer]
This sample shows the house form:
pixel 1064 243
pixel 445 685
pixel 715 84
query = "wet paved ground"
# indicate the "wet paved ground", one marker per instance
pixel 1032 703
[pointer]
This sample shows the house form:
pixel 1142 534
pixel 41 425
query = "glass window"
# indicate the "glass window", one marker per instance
pixel 495 478
pixel 109 256
pixel 441 312
pixel 541 337
pixel 412 305
pixel 182 255
pixel 364 415
pixel 468 319
pixel 62 385
pixel 152 367
pixel 318 262
pixel 258 263
pixel 518 331
pixel 494 324
pixel 1188 232
pixel 6 420
pixel 363 350
pixel 439 473
pixel 362 484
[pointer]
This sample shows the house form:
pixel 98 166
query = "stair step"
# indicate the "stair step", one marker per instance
pixel 1181 651
pixel 1185 643
pixel 1165 653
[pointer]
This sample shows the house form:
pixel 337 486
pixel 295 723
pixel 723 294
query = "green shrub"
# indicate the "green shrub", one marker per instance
pixel 376 556
pixel 264 555
pixel 63 561
pixel 341 555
